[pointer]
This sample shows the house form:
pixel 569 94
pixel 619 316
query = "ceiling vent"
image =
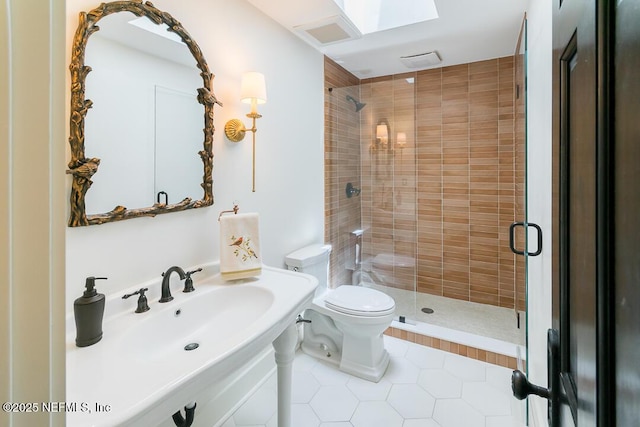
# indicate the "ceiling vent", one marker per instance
pixel 421 60
pixel 328 31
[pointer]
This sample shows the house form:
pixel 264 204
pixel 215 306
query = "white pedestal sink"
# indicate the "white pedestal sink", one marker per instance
pixel 140 372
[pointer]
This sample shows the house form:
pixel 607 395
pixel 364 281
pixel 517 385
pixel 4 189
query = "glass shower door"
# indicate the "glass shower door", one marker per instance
pixel 525 238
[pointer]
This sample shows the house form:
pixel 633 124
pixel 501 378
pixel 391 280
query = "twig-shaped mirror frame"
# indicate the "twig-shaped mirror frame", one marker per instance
pixel 83 168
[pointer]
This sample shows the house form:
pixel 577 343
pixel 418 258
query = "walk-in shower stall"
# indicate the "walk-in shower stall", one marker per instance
pixel 425 174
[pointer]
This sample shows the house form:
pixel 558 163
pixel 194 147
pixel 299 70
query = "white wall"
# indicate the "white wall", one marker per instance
pixel 539 173
pixel 32 199
pixel 234 38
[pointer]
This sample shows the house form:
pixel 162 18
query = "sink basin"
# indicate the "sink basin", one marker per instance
pixel 208 321
pixel 148 365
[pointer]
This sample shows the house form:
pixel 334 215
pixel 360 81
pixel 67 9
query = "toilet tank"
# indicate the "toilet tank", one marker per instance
pixel 313 260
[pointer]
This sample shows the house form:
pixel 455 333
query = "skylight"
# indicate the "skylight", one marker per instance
pixel 161 30
pixel 378 15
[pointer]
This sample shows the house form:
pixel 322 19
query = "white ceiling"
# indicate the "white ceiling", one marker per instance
pixel 466 31
pixel 116 27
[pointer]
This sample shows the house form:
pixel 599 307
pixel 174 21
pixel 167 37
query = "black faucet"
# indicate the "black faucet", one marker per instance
pixel 188 283
pixel 142 300
pixel 166 292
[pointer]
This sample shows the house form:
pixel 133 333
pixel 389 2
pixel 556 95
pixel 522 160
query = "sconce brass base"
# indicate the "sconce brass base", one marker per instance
pixel 235 130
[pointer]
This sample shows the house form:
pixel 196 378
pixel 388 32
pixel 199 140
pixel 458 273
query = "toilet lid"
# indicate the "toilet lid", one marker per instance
pixel 360 301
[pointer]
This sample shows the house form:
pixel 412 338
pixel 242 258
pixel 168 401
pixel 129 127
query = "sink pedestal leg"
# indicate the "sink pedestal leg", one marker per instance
pixel 285 347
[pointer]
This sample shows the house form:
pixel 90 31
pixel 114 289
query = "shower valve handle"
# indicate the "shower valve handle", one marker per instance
pixel 351 190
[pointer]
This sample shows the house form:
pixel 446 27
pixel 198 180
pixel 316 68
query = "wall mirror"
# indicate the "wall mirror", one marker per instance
pixel 142 110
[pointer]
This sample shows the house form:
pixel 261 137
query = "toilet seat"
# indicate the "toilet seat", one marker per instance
pixel 359 301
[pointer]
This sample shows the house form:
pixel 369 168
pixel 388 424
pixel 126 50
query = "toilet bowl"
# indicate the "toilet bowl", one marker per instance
pixel 347 323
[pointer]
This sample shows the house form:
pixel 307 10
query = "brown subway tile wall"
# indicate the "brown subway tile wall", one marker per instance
pixel 342 165
pixel 465 170
pixel 442 202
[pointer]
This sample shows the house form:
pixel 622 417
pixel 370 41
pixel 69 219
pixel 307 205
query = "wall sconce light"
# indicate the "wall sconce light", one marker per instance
pixel 252 91
pixel 382 133
pixel 401 140
pixel 382 136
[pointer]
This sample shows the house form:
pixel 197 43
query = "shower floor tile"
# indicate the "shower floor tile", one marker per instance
pixel 422 387
pixel 479 319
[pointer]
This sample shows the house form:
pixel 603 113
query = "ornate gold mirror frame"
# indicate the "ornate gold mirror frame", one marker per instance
pixel 83 168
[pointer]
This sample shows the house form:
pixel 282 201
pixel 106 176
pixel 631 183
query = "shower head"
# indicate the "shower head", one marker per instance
pixel 359 105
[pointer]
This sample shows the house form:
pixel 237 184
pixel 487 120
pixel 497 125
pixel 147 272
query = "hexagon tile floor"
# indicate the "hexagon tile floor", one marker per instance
pixel 423 387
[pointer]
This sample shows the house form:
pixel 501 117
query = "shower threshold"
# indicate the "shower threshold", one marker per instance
pixel 456 338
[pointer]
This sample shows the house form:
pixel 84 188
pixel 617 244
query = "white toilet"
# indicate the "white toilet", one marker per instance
pixel 347 323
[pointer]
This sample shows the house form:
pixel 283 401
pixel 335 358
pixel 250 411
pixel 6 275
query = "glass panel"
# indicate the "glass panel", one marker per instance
pixel 343 166
pixel 520 138
pixel 389 175
pixel 374 240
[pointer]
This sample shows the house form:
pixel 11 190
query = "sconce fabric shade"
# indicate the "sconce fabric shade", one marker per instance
pixel 401 138
pixel 381 132
pixel 253 88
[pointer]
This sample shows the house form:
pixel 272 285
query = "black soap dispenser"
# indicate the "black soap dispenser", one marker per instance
pixel 88 311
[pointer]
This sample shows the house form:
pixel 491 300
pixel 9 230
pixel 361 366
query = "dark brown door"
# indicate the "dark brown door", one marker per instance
pixel 575 208
pixel 596 235
pixel 574 304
